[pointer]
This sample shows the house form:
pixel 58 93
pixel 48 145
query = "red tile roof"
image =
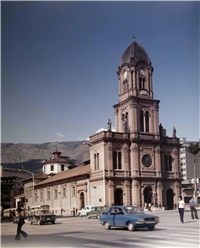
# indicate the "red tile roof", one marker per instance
pixel 78 171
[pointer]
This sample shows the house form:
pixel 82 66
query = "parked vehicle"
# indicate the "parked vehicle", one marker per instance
pixel 40 216
pixel 85 210
pixel 96 212
pixel 131 217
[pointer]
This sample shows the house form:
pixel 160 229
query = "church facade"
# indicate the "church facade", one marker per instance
pixel 138 163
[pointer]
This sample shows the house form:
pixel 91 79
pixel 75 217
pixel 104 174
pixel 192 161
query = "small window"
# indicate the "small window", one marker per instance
pixel 52 167
pixel 62 167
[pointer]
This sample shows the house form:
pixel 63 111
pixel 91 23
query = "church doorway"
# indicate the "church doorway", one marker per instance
pixel 118 197
pixel 170 199
pixel 148 195
pixel 82 200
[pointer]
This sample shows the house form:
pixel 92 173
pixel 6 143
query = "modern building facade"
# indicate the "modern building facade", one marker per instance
pixel 187 161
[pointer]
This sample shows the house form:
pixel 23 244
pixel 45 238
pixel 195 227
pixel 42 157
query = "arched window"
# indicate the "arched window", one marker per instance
pixel 62 167
pixel 52 167
pixel 147 121
pixel 143 86
pixel 97 161
pixel 114 160
pixel 170 163
pixel 140 83
pixel 141 122
pixel 166 163
pixel 125 85
pixel 117 160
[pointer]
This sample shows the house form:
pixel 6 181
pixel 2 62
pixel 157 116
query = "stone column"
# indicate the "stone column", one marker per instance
pixel 134 160
pixel 134 82
pixel 116 119
pixel 135 192
pixel 159 193
pixel 151 86
pixel 127 188
pixel 125 159
pixel 175 162
pixel 111 194
pixel 156 121
pixel 109 159
pixel 177 192
pixel 158 161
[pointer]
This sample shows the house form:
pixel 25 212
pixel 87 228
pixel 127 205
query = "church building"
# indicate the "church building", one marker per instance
pixel 136 164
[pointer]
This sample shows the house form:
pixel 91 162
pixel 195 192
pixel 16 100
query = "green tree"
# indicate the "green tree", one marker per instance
pixel 194 149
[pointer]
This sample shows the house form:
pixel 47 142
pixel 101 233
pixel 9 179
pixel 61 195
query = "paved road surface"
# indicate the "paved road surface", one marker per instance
pixel 81 232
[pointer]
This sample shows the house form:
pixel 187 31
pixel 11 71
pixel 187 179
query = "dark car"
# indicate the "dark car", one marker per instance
pixel 96 212
pixel 41 216
pixel 131 217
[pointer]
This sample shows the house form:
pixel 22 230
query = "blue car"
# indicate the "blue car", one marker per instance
pixel 128 216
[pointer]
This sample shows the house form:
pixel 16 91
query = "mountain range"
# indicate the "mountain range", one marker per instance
pixel 30 156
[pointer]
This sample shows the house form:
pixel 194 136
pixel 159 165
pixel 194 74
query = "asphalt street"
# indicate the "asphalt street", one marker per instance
pixel 88 233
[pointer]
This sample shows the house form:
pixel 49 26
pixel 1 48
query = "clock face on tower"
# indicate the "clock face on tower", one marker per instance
pixel 142 72
pixel 125 74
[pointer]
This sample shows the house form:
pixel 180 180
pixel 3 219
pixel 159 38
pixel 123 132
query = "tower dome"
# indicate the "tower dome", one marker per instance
pixel 134 53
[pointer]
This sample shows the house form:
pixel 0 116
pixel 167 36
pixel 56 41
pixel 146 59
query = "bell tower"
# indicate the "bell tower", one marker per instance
pixel 136 110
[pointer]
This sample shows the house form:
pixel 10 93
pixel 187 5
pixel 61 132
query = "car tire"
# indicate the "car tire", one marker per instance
pixel 88 217
pixel 53 222
pixel 130 226
pixel 80 215
pixel 39 222
pixel 106 225
pixel 151 228
pixel 30 222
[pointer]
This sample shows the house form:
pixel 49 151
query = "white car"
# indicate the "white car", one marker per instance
pixel 85 210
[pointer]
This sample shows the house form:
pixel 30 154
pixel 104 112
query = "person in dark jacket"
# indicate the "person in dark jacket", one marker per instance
pixel 20 216
pixel 193 208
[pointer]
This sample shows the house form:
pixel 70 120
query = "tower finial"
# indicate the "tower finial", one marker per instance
pixel 133 38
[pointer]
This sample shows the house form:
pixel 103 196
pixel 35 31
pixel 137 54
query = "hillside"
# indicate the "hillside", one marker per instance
pixel 30 156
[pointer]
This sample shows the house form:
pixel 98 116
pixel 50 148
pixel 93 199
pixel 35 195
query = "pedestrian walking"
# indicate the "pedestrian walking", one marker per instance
pixel 61 211
pixel 193 208
pixel 76 210
pixel 20 216
pixel 149 206
pixel 181 205
pixel 73 211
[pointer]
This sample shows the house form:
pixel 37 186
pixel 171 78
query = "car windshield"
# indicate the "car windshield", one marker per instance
pixel 133 210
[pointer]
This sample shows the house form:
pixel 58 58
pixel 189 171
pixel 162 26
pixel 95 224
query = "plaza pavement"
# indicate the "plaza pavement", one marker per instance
pixel 76 232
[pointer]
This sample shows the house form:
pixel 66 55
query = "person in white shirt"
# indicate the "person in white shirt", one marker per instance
pixel 181 205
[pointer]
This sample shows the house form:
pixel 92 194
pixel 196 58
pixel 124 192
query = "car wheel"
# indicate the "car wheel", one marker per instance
pixel 30 222
pixel 151 228
pixel 53 222
pixel 39 222
pixel 106 225
pixel 80 215
pixel 130 226
pixel 88 217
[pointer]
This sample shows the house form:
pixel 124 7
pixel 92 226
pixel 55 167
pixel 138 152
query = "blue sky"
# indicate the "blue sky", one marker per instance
pixel 59 64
